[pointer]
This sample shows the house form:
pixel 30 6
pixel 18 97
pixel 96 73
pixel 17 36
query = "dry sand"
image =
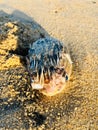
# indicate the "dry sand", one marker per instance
pixel 75 23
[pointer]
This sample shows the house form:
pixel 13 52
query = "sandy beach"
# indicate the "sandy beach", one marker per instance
pixel 73 22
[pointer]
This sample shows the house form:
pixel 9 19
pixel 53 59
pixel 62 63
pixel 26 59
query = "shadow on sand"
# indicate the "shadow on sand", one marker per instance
pixel 34 32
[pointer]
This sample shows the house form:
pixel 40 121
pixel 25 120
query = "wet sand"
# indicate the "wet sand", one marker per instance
pixel 75 23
